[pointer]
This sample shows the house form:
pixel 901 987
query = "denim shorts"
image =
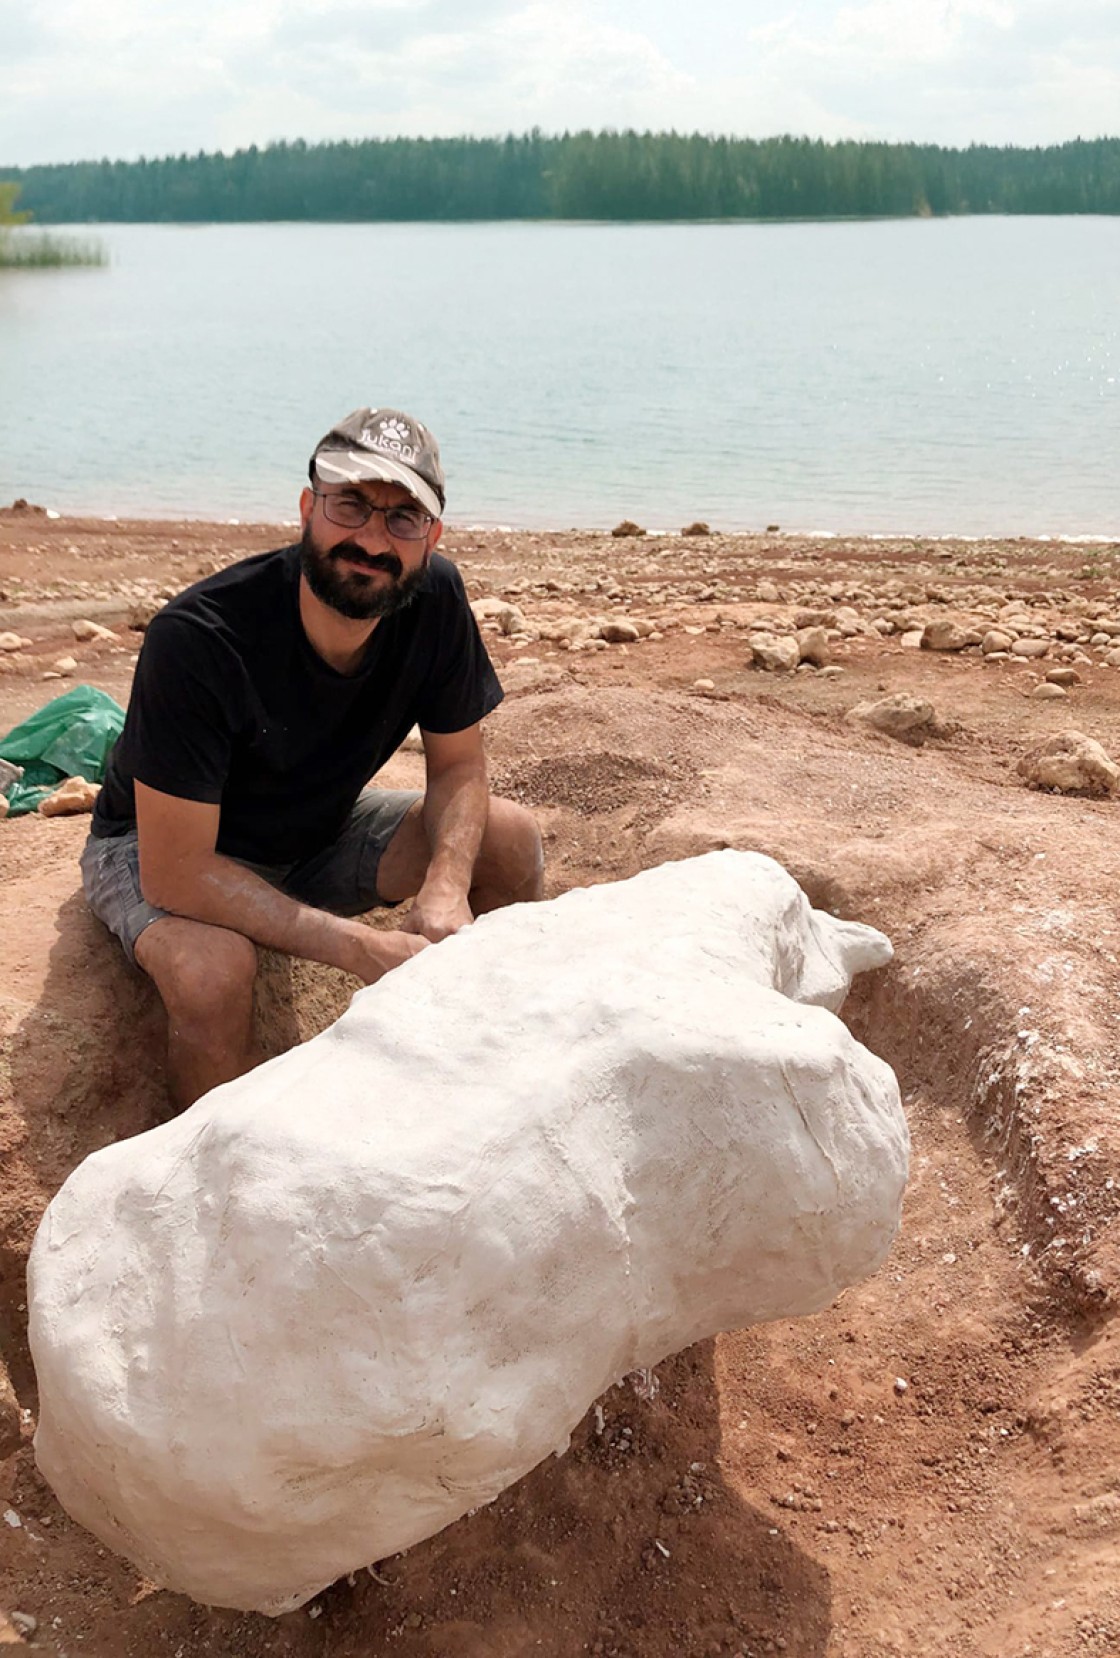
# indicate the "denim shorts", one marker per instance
pixel 341 878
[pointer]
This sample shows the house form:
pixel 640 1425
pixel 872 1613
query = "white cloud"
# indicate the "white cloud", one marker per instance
pixel 146 76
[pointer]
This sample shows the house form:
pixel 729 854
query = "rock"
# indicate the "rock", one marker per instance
pixel 772 529
pixel 24 1623
pixel 812 643
pixel 698 528
pixel 767 593
pixel 9 1409
pixel 348 1297
pixel 911 640
pixel 65 666
pixel 776 653
pixel 509 617
pixel 1112 658
pixel 1063 676
pixel 944 635
pixel 628 527
pixel 1070 763
pixel 899 715
pixel 567 629
pixel 703 684
pixel 1049 693
pixel 994 641
pixel 70 798
pixel 619 633
pixel 87 630
pixel 1031 649
pixel 142 612
pixel 10 642
pixel 530 675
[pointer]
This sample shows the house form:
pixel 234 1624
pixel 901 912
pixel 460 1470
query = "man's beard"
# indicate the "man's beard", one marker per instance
pixel 351 594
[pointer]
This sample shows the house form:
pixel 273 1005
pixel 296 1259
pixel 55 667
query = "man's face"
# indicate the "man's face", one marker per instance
pixel 362 572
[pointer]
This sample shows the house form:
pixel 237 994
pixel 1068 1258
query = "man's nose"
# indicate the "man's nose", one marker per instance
pixel 373 533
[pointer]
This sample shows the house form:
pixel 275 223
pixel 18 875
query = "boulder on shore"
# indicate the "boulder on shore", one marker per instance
pixel 360 1291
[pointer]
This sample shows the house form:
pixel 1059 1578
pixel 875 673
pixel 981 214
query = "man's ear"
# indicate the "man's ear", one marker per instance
pixel 434 534
pixel 306 506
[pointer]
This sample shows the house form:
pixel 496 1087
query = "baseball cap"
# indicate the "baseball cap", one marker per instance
pixel 384 444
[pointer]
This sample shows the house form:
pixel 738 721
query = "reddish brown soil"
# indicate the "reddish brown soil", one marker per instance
pixel 782 1492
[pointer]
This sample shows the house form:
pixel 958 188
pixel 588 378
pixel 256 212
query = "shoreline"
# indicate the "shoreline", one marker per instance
pixel 21 511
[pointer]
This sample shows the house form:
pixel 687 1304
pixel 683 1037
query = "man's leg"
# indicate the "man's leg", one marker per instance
pixel 509 868
pixel 204 974
pixel 205 977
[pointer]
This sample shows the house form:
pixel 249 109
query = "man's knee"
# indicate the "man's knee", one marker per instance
pixel 204 974
pixel 512 859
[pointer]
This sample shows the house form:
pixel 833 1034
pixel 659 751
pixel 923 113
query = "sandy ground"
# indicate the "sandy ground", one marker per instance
pixel 782 1492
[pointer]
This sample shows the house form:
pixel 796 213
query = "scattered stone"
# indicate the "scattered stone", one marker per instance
pixel 70 798
pixel 1063 676
pixel 628 527
pixel 1112 658
pixel 768 592
pixel 1049 693
pixel 901 1385
pixel 9 1407
pixel 812 642
pixel 899 715
pixel 12 642
pixel 1071 763
pixel 703 684
pixel 772 529
pixel 65 665
pixel 995 641
pixel 911 640
pixel 698 528
pixel 142 612
pixel 944 635
pixel 776 653
pixel 23 1623
pixel 1030 648
pixel 619 633
pixel 87 630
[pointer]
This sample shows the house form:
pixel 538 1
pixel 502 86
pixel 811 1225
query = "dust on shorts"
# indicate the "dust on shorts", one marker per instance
pixel 341 878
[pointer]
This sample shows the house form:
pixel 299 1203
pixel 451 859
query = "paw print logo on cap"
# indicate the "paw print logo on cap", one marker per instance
pixel 392 435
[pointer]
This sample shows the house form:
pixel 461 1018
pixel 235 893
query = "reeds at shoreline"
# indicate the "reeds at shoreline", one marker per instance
pixel 39 250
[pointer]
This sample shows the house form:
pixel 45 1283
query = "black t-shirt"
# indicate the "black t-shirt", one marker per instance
pixel 231 704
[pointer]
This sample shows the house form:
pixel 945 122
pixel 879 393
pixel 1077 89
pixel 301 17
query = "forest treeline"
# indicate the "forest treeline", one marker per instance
pixel 583 175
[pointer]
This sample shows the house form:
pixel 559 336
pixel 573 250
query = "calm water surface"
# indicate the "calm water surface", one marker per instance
pixel 957 376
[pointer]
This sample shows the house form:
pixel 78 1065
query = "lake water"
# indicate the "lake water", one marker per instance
pixel 944 377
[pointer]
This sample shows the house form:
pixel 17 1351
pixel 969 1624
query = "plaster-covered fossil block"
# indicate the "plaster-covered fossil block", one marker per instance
pixel 352 1295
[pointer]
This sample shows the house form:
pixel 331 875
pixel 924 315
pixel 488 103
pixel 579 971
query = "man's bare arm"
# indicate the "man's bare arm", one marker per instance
pixel 456 805
pixel 182 872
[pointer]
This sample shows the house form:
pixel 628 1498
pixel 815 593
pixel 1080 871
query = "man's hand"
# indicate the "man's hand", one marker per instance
pixel 375 953
pixel 438 910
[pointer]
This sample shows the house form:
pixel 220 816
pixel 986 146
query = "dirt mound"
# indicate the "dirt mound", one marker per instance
pixel 926 1468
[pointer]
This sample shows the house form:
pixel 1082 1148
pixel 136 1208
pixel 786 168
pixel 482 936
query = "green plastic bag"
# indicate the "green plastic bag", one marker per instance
pixel 70 737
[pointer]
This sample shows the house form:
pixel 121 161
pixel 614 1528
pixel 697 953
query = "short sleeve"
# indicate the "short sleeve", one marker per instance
pixel 178 735
pixel 460 687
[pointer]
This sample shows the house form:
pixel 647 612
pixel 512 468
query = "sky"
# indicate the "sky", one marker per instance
pixel 82 79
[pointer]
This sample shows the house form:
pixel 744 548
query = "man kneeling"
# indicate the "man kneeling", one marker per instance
pixel 234 811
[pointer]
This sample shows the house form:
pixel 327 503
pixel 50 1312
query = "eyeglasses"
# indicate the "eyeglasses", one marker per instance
pixel 352 511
